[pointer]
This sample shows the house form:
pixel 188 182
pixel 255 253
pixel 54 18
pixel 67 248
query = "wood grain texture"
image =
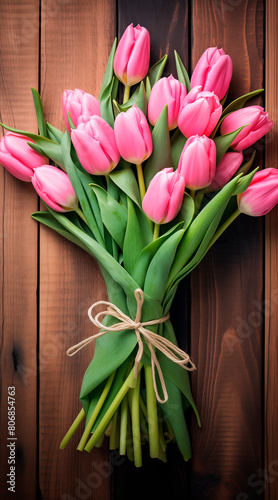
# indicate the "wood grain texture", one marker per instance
pixel 227 288
pixel 75 44
pixel 271 269
pixel 18 246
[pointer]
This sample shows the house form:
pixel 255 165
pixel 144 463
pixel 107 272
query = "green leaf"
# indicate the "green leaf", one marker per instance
pixel 148 88
pixel 244 182
pixel 244 169
pixel 50 148
pixel 138 97
pixel 114 215
pixel 223 143
pixel 134 239
pixel 39 112
pixel 182 73
pixel 54 133
pixel 106 106
pixel 198 228
pixel 35 148
pixel 87 201
pixel 173 371
pixel 155 72
pixel 177 144
pixel 173 410
pixel 161 155
pixel 145 257
pixel 108 75
pixel 159 267
pixel 48 220
pixel 239 102
pixel 126 181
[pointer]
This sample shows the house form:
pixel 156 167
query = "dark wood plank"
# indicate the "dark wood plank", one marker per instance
pixel 271 270
pixel 18 247
pixel 167 23
pixel 76 42
pixel 227 288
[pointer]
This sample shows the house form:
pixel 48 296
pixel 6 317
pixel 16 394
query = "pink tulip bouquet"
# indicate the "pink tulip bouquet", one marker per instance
pixel 145 184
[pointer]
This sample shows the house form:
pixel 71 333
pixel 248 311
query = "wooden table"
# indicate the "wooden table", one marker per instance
pixel 226 312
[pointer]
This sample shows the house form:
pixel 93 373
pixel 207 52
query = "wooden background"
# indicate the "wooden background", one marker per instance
pixel 226 312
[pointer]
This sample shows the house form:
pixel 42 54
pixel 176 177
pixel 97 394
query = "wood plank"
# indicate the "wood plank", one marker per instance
pixel 226 338
pixel 18 247
pixel 271 270
pixel 75 44
pixel 167 23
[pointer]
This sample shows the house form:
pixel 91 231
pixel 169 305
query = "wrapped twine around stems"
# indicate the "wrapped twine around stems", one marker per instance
pixel 153 340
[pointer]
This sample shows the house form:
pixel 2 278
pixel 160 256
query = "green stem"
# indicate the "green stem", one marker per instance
pixel 135 423
pixel 141 180
pixel 126 94
pixel 72 429
pixel 81 215
pixel 156 231
pixel 95 413
pixel 113 435
pixel 224 227
pixel 152 414
pixel 123 426
pixel 129 382
pixel 192 193
pixel 198 201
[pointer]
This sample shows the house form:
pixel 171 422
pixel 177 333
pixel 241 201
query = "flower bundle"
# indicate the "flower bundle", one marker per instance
pixel 145 186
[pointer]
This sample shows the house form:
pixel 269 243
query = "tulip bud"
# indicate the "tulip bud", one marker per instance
pixel 213 71
pixel 95 145
pixel 133 136
pixel 18 158
pixel 54 188
pixel 198 162
pixel 225 170
pixel 256 121
pixel 132 57
pixel 261 196
pixel 200 112
pixel 80 105
pixel 166 91
pixel 163 199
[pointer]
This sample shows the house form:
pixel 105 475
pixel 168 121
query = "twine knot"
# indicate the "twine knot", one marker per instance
pixel 153 340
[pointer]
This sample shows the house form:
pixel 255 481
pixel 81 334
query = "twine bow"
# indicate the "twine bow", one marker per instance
pixel 153 340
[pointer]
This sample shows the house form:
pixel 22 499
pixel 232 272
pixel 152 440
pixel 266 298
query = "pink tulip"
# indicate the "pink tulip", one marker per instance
pixel 54 188
pixel 133 136
pixel 95 145
pixel 132 57
pixel 200 112
pixel 261 196
pixel 256 121
pixel 163 199
pixel 213 71
pixel 80 105
pixel 166 91
pixel 225 170
pixel 198 162
pixel 18 158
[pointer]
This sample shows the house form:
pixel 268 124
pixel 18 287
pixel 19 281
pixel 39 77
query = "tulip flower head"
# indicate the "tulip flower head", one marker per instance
pixel 256 124
pixel 132 57
pixel 163 199
pixel 80 105
pixel 213 71
pixel 18 158
pixel 200 112
pixel 261 196
pixel 133 136
pixel 95 145
pixel 55 189
pixel 198 162
pixel 166 91
pixel 225 169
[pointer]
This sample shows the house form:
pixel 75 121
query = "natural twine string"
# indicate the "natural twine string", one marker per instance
pixel 153 340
